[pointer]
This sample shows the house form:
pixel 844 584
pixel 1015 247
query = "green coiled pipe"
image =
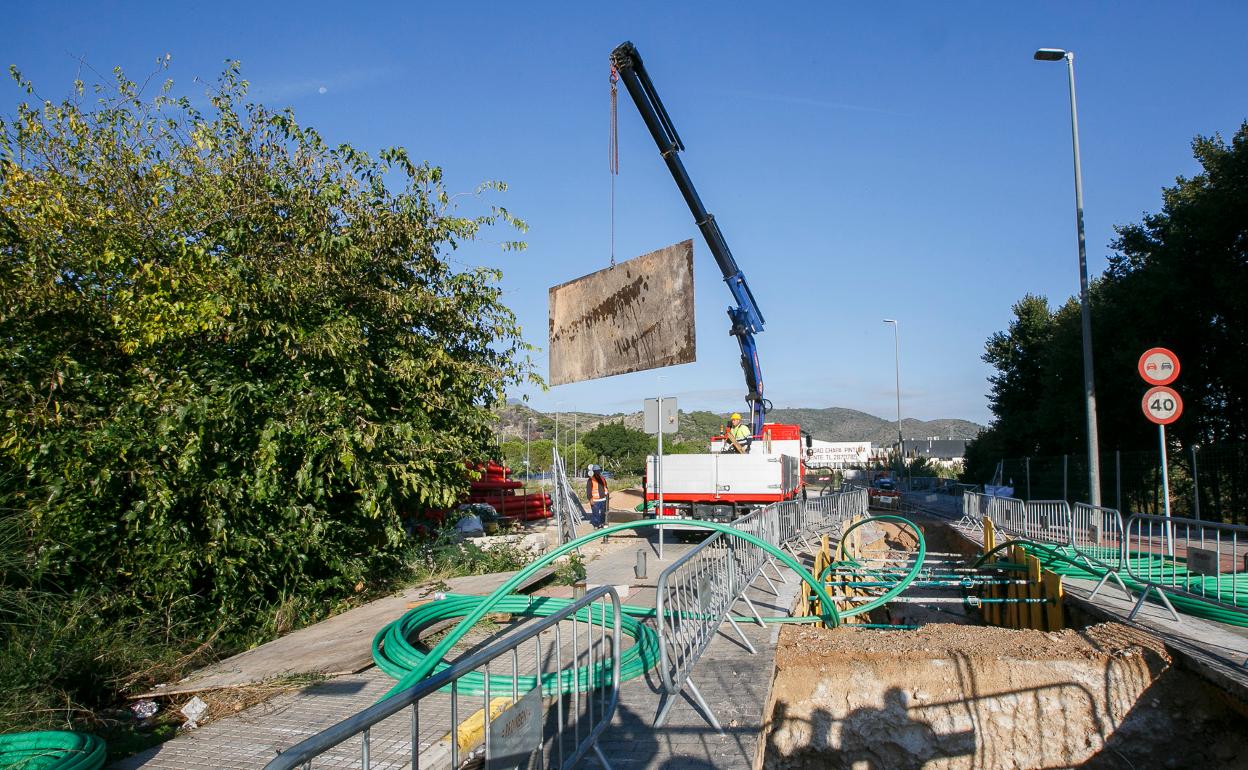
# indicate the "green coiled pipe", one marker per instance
pixel 395 654
pixel 51 750
pixel 423 667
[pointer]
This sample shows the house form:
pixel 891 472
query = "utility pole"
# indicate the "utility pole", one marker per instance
pixel 901 445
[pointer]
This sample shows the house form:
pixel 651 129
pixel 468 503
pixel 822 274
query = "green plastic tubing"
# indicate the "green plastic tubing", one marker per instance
pixel 395 654
pixel 51 750
pixel 424 667
pixel 1058 560
pixel 902 584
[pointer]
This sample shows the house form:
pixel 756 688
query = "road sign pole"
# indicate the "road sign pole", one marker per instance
pixel 1165 492
pixel 658 465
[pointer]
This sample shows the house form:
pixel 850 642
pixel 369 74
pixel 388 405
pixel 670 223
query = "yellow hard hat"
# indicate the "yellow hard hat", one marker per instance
pixel 736 416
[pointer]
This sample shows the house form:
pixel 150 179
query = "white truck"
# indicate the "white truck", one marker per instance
pixel 724 485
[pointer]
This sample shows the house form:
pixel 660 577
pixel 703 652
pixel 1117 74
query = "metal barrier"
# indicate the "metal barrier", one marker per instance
pixel 1097 539
pixel 1047 521
pixel 694 597
pixel 826 511
pixel 1008 513
pixel 510 720
pixel 974 507
pixel 1193 558
pixel 699 591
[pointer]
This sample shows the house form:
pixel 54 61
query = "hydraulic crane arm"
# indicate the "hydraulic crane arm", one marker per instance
pixel 747 319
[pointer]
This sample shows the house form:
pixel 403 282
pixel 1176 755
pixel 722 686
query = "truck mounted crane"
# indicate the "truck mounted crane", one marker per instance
pixel 746 318
pixel 720 485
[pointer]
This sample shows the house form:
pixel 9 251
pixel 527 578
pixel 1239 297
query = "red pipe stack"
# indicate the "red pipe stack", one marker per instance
pixel 496 489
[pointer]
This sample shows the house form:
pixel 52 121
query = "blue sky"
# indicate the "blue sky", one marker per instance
pixel 864 160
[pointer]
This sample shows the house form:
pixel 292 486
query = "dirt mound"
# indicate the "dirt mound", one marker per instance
pixel 801 644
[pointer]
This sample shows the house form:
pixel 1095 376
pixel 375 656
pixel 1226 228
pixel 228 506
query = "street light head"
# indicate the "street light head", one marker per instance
pixel 1050 54
pixel 889 321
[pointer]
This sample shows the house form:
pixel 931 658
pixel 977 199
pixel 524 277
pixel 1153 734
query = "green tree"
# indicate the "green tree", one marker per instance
pixel 232 355
pixel 1178 279
pixel 622 449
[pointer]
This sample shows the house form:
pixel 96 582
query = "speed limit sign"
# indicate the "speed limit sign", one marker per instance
pixel 1162 405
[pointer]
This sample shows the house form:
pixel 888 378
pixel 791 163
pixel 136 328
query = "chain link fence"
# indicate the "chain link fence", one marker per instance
pixel 1209 482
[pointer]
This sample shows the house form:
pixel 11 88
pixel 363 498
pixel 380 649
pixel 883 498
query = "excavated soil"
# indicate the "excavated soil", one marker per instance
pixel 958 696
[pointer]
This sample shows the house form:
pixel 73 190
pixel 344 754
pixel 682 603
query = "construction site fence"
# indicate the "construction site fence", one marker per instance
pixel 1188 557
pixel 514 713
pixel 1167 555
pixel 1208 482
pixel 701 589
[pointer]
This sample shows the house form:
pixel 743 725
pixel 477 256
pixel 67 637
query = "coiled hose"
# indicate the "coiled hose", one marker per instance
pixel 423 666
pixel 1062 560
pixel 395 653
pixel 51 750
pixel 902 583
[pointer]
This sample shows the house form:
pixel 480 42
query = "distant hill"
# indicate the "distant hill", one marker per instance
pixel 831 424
pixel 840 424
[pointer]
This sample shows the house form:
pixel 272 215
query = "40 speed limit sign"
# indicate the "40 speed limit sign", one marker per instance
pixel 1162 405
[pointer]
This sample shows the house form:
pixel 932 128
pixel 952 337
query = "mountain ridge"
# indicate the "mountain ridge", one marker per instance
pixel 828 424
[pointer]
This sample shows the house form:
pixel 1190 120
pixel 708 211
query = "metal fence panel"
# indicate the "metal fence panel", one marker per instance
pixel 1047 521
pixel 516 686
pixel 1199 559
pixel 1096 535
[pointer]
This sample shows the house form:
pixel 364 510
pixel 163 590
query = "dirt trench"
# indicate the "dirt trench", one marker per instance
pixel 954 696
pixel 958 694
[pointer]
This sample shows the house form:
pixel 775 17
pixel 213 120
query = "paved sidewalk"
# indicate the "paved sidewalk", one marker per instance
pixel 735 683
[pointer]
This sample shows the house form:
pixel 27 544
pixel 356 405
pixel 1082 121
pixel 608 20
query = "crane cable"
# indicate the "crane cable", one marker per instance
pixel 613 152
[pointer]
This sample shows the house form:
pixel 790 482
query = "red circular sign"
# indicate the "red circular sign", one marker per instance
pixel 1158 366
pixel 1162 405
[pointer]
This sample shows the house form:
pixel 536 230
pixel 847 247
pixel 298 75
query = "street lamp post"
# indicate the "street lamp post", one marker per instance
pixel 897 365
pixel 558 406
pixel 528 468
pixel 1094 456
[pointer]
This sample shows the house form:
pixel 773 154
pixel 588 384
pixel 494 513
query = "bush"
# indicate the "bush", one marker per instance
pixel 230 358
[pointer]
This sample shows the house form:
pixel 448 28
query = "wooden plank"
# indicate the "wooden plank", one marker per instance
pixel 1036 611
pixel 1053 590
pixel 635 316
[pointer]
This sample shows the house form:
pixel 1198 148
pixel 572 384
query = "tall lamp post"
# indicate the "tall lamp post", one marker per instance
pixel 528 468
pixel 1094 454
pixel 558 406
pixel 897 365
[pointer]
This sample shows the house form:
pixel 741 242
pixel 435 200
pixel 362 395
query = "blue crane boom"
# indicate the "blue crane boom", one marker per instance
pixel 747 319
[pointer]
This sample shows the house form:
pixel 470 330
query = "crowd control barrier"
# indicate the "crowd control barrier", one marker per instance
pixel 1188 557
pixel 504 702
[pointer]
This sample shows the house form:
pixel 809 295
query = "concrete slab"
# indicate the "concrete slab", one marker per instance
pixel 634 316
pixel 340 645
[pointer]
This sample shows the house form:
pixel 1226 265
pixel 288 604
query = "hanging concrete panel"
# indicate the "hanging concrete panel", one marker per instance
pixel 635 316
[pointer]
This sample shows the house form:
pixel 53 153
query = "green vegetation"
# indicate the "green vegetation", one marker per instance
pixel 622 449
pixel 570 571
pixel 232 358
pixel 1178 279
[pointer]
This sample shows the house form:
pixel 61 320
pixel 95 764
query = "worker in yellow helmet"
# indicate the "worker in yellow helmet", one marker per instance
pixel 740 433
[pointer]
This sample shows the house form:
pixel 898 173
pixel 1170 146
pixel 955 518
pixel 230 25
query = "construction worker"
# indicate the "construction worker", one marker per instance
pixel 596 492
pixel 740 433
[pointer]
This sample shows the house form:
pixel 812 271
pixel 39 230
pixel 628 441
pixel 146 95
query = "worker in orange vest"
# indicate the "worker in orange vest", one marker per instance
pixel 596 491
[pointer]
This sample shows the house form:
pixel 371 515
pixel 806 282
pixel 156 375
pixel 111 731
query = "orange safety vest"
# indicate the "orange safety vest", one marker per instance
pixel 601 484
